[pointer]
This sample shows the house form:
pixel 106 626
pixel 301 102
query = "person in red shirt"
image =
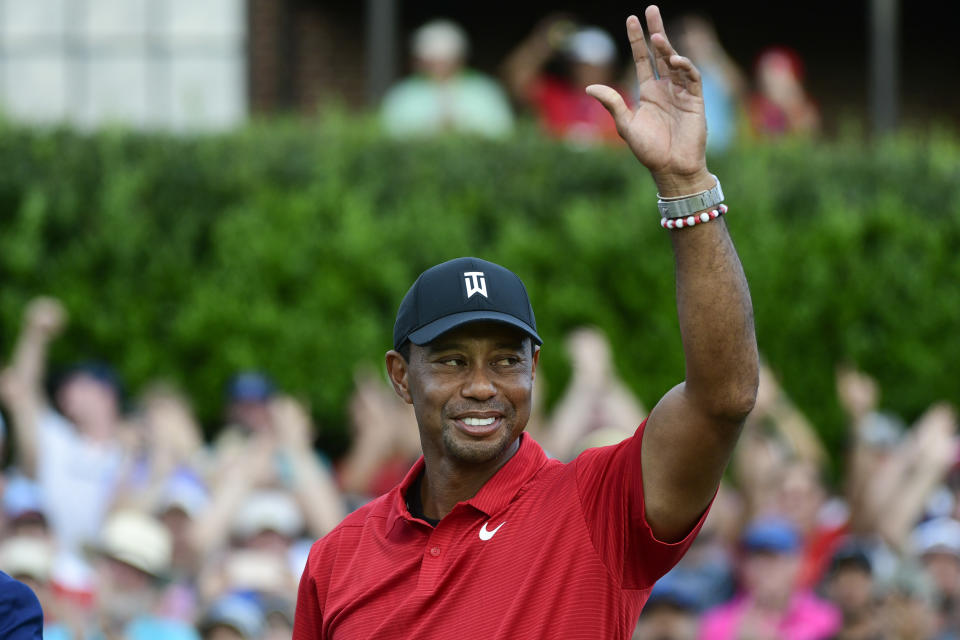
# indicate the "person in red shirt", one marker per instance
pixel 488 538
pixel 588 56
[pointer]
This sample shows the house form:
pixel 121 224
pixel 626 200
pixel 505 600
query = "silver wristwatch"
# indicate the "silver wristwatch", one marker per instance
pixel 687 205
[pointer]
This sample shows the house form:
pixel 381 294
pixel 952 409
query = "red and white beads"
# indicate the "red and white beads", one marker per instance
pixel 690 221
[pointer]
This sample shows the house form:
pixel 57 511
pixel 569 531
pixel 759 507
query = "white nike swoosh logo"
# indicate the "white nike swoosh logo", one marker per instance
pixel 486 535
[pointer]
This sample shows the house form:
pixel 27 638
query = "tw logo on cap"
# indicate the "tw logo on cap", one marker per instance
pixel 476 283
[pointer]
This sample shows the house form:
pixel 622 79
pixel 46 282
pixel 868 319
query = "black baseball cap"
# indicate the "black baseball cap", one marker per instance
pixel 458 292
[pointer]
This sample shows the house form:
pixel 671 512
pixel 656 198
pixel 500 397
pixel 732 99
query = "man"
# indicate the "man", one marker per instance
pixel 486 537
pixel 132 562
pixel 444 95
pixel 850 586
pixel 74 454
pixel 563 110
pixel 20 615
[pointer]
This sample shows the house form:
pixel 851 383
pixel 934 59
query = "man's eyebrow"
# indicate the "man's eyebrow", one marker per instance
pixel 443 346
pixel 512 345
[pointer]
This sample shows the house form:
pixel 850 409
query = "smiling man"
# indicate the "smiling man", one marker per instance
pixel 488 538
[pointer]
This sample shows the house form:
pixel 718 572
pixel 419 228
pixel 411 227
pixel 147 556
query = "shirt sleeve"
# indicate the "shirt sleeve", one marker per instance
pixel 308 623
pixel 21 617
pixel 610 486
pixel 308 620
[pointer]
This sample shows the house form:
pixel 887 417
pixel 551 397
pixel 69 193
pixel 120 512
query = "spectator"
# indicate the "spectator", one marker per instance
pixel 232 617
pixel 671 611
pixel 75 455
pixel 597 402
pixel 132 558
pixel 443 95
pixel 769 606
pixel 23 509
pixel 166 444
pixel 558 101
pixel 724 84
pixel 780 106
pixel 936 544
pixel 909 608
pixel 385 441
pixel 850 586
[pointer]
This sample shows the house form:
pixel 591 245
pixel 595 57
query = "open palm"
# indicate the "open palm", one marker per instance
pixel 667 130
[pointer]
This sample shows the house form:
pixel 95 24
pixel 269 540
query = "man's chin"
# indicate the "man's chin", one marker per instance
pixel 469 450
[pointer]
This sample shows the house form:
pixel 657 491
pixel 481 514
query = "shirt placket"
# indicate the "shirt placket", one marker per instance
pixel 440 550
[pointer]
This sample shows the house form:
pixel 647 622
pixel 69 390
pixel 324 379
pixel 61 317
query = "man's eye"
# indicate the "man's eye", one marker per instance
pixel 509 361
pixel 452 362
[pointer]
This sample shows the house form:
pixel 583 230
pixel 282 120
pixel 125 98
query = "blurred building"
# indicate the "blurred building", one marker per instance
pixel 166 64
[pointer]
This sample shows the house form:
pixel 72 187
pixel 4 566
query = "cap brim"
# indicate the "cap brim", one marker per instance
pixel 430 332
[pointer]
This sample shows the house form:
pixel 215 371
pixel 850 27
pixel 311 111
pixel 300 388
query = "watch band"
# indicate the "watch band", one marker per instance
pixel 688 205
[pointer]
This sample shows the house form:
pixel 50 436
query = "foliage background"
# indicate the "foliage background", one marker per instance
pixel 287 246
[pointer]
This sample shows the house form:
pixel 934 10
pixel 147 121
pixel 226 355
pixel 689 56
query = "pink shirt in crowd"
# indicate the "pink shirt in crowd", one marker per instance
pixel 806 618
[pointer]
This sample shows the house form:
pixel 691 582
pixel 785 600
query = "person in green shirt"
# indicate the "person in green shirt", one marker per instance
pixel 443 95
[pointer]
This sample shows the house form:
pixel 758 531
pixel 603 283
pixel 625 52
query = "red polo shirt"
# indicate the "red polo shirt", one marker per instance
pixel 544 550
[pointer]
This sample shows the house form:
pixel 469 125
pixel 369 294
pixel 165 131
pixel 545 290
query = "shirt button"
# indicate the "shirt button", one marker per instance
pixel 435 551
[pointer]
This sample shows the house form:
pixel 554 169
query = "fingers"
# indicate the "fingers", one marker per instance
pixel 662 49
pixel 641 54
pixel 683 73
pixel 612 102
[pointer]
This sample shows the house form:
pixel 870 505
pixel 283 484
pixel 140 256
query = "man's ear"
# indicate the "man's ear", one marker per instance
pixel 535 359
pixel 398 370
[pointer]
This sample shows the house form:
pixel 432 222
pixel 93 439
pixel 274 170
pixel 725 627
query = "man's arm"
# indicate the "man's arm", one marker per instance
pixel 691 432
pixel 21 385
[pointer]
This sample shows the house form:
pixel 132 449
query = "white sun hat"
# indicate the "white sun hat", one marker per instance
pixel 136 539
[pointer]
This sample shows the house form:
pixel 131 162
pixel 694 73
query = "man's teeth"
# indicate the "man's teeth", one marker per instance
pixel 478 422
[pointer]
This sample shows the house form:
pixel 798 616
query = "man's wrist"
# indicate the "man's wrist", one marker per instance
pixel 675 185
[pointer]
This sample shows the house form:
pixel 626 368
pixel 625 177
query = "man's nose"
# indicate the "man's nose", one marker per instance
pixel 479 385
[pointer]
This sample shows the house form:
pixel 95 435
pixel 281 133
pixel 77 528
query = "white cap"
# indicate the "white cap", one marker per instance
pixel 268 510
pixel 138 540
pixel 591 45
pixel 27 555
pixel 936 535
pixel 183 491
pixel 439 40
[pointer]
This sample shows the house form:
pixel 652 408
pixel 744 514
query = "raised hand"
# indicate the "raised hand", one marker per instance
pixel 46 316
pixel 292 423
pixel 667 131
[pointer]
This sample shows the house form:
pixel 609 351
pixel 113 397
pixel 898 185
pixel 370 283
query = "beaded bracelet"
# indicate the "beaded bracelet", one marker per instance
pixel 691 221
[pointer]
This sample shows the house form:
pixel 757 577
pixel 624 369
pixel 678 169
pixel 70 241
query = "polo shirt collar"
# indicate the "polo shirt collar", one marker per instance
pixel 494 495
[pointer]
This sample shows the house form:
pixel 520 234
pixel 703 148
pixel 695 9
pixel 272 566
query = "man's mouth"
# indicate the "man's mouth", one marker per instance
pixel 478 425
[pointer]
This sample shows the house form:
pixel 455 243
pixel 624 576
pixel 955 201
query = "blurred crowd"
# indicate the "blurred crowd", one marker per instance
pixel 786 555
pixel 544 77
pixel 127 523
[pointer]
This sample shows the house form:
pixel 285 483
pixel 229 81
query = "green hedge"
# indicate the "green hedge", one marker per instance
pixel 287 246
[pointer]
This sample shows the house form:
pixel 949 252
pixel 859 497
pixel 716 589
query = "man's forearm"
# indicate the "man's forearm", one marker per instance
pixel 716 322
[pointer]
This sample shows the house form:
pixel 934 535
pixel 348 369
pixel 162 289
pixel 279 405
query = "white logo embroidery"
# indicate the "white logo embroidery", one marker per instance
pixel 486 535
pixel 476 283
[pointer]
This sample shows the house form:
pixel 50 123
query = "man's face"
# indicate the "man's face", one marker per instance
pixel 944 568
pixel 769 577
pixel 92 405
pixel 471 390
pixel 851 589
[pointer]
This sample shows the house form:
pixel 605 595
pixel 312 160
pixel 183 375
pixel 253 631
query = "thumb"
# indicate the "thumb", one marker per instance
pixel 612 101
